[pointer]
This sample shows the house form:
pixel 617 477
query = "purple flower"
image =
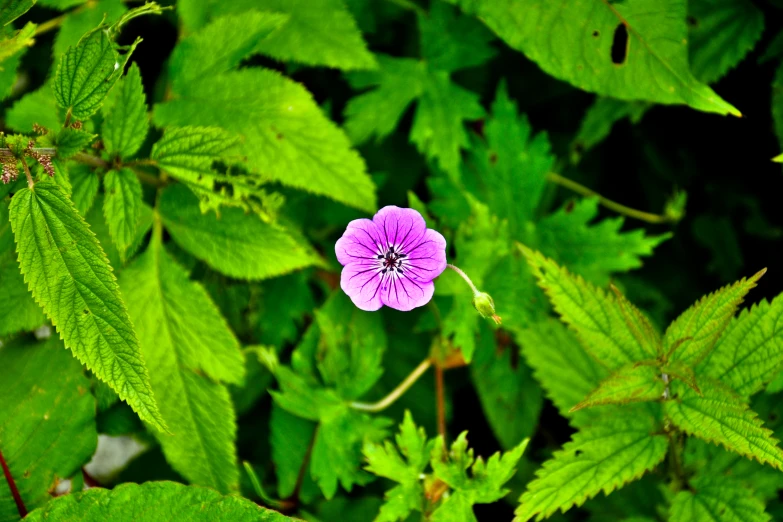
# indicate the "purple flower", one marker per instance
pixel 390 260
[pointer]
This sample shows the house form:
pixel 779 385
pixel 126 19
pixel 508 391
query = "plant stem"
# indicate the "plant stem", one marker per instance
pixel 675 461
pixel 397 392
pixel 45 151
pixel 92 161
pixel 464 276
pixel 608 203
pixel 47 26
pixel 20 507
pixel 441 402
pixel 27 173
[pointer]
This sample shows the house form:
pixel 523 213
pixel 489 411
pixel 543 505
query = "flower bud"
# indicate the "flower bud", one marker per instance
pixel 485 306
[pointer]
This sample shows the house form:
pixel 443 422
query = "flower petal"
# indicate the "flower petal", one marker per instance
pixel 403 293
pixel 399 226
pixel 363 284
pixel 426 259
pixel 361 240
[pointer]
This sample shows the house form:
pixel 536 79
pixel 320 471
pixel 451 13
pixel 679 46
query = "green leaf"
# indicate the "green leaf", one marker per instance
pixel 403 463
pixel 629 383
pixel 511 399
pixel 17 307
pixel 71 279
pixel 694 333
pixel 641 327
pixel 451 41
pixel 750 351
pixel 592 313
pixel 573 41
pixel 713 499
pixel 510 168
pixel 38 107
pixel 720 34
pixel 599 120
pixel 79 22
pixel 97 222
pixel 84 183
pixel 122 207
pixel 132 502
pixel 189 153
pixel 258 250
pixel 189 356
pixel 485 482
pixel 290 438
pixel 47 427
pixel 87 72
pixel 10 10
pixel 594 250
pixel 60 4
pixel 565 370
pixel 287 138
pixel 722 417
pixel 16 44
pixel 125 120
pixel 602 457
pixel 69 141
pixel 208 52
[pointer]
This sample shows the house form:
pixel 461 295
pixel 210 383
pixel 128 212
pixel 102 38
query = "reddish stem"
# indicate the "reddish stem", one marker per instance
pixel 441 401
pixel 12 485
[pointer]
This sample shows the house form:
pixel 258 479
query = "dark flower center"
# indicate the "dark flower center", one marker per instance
pixel 392 260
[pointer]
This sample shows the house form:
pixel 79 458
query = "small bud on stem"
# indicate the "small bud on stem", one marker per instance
pixel 482 301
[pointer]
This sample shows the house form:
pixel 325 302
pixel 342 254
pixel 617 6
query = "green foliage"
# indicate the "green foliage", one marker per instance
pixel 173 312
pixel 69 276
pixel 132 501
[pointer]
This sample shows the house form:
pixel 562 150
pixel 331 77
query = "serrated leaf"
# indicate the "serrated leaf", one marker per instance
pixel 485 482
pixel 602 457
pixel 713 499
pixel 47 427
pixel 189 356
pixel 290 437
pixel 720 34
pixel 694 333
pixel 749 353
pixel 69 141
pixel 125 119
pixel 84 185
pixel 451 41
pixel 510 169
pixel 87 72
pixel 258 250
pixel 721 417
pixel 97 222
pixel 38 107
pixel 14 45
pixel 13 9
pixel 18 310
pixel 641 327
pixel 132 502
pixel 600 119
pixel 591 312
pixel 510 398
pixel 629 383
pixel 122 207
pixel 592 249
pixel 189 154
pixel 286 136
pixel 80 21
pixel 71 279
pixel 573 41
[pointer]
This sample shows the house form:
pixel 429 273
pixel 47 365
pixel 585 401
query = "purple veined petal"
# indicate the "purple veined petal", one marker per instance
pixel 363 284
pixel 404 294
pixel 361 240
pixel 399 226
pixel 426 259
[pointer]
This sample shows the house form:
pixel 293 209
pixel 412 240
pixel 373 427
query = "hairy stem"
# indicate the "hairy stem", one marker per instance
pixel 397 392
pixel 27 173
pixel 20 507
pixel 44 151
pixel 608 203
pixel 464 276
pixel 92 161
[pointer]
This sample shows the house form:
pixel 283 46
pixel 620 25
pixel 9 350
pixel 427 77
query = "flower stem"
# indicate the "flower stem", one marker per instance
pixel 440 395
pixel 397 392
pixel 20 507
pixel 655 219
pixel 464 276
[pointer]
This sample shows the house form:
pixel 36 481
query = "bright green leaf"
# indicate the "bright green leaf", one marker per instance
pixel 125 120
pixel 712 499
pixel 38 107
pixel 69 141
pixel 79 22
pixel 71 279
pixel 629 383
pixel 85 184
pixel 10 10
pixel 122 207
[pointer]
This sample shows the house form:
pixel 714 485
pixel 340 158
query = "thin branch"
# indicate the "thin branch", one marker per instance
pixel 440 394
pixel 20 507
pixel 30 182
pixel 655 219
pixel 396 392
pixel 44 151
pixel 464 276
pixel 92 161
pixel 49 25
